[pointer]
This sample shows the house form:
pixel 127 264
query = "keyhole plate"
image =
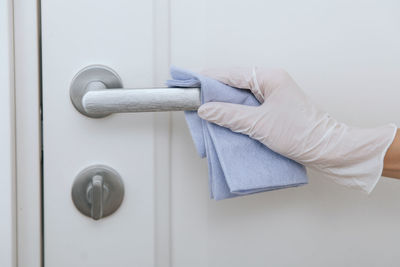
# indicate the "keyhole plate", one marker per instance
pixel 112 183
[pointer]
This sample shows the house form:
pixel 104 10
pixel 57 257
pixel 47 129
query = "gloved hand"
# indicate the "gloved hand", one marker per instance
pixel 289 123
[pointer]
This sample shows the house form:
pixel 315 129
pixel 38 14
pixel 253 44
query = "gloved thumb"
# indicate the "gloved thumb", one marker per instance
pixel 238 118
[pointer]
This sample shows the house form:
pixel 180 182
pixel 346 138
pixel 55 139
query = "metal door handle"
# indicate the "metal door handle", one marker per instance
pixel 91 95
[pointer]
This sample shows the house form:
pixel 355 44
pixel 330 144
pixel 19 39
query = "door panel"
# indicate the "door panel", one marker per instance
pixel 344 55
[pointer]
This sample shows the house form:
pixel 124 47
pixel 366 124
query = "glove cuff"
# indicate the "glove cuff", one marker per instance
pixel 357 160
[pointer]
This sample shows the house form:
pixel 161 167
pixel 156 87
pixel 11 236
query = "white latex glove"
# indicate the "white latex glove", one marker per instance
pixel 289 123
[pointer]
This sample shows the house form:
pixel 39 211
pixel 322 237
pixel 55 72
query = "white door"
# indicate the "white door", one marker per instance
pixel 345 54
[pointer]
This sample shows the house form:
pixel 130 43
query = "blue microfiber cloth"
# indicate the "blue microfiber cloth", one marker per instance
pixel 237 164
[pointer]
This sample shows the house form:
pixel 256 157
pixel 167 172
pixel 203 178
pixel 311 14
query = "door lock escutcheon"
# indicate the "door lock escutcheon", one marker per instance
pixel 97 191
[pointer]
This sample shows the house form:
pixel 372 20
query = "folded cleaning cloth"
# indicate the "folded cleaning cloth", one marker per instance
pixel 237 164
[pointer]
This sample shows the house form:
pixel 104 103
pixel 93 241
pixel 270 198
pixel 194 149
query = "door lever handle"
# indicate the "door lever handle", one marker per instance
pixel 96 92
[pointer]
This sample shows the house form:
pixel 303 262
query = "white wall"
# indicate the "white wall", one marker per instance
pixel 7 221
pixel 346 56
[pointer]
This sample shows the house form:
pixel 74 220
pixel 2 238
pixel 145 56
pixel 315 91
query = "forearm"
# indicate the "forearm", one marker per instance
pixel 391 165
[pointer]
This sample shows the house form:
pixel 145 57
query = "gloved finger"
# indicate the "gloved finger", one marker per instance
pixel 238 118
pixel 236 77
pixel 269 80
pixel 243 78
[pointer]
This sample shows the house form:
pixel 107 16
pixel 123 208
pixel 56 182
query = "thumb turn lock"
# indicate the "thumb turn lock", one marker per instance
pixel 98 191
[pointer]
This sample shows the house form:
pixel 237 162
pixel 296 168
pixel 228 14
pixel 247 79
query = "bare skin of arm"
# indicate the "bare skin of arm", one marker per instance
pixel 391 164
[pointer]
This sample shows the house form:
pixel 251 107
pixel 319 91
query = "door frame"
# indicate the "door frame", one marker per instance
pixel 7 141
pixel 27 87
